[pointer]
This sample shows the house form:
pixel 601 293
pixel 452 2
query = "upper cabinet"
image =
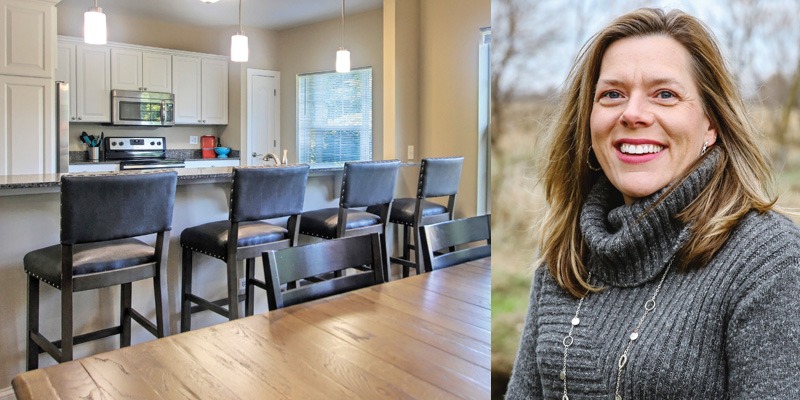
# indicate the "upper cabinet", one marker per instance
pixel 141 70
pixel 26 42
pixel 200 85
pixel 87 69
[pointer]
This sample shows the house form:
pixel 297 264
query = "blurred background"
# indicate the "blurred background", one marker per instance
pixel 535 42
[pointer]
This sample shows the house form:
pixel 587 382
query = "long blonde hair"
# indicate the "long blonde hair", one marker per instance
pixel 739 183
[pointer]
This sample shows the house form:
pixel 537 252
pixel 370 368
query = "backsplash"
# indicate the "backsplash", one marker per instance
pixel 183 154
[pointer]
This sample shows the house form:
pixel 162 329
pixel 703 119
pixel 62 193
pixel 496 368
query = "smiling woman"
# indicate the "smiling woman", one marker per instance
pixel 666 271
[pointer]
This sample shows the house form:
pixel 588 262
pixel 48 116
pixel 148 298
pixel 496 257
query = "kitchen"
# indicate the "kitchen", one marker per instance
pixel 421 52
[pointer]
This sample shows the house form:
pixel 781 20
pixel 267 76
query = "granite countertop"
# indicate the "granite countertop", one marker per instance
pixel 81 157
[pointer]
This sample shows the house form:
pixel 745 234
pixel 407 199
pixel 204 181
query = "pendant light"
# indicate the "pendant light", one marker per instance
pixel 209 1
pixel 343 55
pixel 239 48
pixel 94 25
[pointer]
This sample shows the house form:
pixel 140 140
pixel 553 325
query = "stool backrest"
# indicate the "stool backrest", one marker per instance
pixel 105 207
pixel 444 235
pixel 439 176
pixel 296 263
pixel 267 192
pixel 367 183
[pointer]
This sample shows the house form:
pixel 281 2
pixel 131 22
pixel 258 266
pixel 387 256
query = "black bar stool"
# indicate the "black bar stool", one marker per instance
pixel 257 193
pixel 364 184
pixel 467 239
pixel 438 177
pixel 100 217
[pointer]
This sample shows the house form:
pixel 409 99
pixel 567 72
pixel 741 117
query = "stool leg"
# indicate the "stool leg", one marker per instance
pixel 125 315
pixel 186 280
pixel 250 273
pixel 66 321
pixel 160 287
pixel 32 349
pixel 233 290
pixel 406 249
pixel 385 258
pixel 418 263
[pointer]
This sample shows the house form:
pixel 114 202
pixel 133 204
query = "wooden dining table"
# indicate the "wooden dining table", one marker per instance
pixel 423 337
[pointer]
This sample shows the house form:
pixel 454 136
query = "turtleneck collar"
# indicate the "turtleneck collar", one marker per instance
pixel 628 247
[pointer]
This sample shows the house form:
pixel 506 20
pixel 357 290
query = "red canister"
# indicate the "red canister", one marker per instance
pixel 207 144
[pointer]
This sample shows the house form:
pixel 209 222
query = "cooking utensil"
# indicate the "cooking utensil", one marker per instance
pixel 85 138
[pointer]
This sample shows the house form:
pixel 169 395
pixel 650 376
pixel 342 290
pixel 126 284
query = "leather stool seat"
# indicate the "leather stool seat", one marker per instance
pixel 403 210
pixel 324 223
pixel 88 258
pixel 212 238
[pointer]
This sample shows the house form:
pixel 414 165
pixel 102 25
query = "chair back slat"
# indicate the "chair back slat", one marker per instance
pixel 296 263
pixel 267 192
pixel 368 183
pixel 105 207
pixel 444 235
pixel 439 176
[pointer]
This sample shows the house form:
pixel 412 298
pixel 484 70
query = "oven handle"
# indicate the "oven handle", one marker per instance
pixel 163 112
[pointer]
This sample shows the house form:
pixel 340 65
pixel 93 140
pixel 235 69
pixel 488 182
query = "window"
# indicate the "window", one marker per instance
pixel 334 116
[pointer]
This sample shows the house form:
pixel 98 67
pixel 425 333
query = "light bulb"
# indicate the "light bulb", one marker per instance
pixel 94 26
pixel 343 60
pixel 239 48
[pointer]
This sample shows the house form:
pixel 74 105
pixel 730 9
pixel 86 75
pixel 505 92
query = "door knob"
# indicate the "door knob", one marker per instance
pixel 256 155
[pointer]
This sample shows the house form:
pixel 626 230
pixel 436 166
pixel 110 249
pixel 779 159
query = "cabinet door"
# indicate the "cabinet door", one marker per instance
pixel 157 72
pixel 215 92
pixel 65 72
pixel 186 86
pixel 126 69
pixel 93 83
pixel 27 39
pixel 27 126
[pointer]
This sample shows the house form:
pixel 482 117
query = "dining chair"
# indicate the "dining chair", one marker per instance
pixel 438 177
pixel 364 184
pixel 309 261
pixel 465 235
pixel 257 194
pixel 102 220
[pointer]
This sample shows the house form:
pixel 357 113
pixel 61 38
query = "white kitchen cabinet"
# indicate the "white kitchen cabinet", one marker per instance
pixel 141 70
pixel 26 125
pixel 93 83
pixel 201 90
pixel 27 39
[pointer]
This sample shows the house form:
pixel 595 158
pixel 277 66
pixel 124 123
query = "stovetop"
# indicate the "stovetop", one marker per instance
pixel 140 152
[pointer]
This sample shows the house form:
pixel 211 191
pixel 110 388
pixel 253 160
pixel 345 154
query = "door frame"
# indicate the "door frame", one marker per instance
pixel 248 145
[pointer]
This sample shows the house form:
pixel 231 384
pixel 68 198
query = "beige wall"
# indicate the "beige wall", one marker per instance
pixel 312 48
pixel 449 39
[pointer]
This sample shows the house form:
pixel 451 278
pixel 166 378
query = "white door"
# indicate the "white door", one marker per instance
pixel 263 117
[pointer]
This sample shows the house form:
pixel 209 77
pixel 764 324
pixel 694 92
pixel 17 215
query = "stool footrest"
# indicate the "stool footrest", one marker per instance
pixel 53 348
pixel 144 322
pixel 215 306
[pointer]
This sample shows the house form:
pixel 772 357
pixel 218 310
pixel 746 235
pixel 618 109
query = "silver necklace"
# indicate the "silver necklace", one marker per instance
pixel 649 306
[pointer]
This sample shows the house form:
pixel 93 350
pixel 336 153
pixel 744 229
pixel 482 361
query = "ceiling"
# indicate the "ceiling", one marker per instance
pixel 265 14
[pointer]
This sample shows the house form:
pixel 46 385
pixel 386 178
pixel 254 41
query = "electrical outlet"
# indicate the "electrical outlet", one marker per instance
pixel 192 139
pixel 242 285
pixel 410 152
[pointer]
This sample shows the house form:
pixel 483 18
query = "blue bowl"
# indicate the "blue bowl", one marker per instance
pixel 222 152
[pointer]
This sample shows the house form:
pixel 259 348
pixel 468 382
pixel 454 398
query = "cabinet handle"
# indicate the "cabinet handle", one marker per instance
pixel 79 118
pixel 204 121
pixel 145 88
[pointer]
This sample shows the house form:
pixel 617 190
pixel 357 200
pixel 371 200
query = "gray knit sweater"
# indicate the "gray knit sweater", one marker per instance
pixel 730 330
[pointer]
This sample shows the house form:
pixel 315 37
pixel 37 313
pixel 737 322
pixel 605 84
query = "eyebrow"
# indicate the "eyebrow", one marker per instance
pixel 653 82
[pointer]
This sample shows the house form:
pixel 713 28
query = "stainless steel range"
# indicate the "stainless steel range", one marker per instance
pixel 140 153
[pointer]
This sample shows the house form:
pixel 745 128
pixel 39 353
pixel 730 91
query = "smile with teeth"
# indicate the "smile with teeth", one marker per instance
pixel 628 148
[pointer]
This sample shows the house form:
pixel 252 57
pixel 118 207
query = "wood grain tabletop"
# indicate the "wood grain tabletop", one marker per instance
pixel 423 337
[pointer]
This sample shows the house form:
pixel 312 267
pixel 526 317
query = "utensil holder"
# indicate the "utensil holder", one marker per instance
pixel 94 153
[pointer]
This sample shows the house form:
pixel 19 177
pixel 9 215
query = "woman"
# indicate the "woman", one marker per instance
pixel 666 274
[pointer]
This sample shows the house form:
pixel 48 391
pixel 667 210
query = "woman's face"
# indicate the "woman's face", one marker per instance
pixel 647 124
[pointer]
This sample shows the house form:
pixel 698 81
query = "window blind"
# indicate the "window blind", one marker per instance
pixel 334 116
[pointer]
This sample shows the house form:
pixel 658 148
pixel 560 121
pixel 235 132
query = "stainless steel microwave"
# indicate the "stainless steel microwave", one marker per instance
pixel 130 107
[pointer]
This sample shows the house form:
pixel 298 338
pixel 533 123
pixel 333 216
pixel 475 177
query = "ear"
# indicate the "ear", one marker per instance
pixel 711 134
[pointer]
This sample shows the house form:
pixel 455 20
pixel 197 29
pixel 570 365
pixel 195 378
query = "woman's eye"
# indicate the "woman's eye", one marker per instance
pixel 664 94
pixel 611 95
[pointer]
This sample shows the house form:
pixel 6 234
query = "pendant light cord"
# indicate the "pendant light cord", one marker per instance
pixel 342 23
pixel 241 31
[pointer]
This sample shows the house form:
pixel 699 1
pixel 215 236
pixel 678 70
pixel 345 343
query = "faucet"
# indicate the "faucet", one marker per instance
pixel 273 157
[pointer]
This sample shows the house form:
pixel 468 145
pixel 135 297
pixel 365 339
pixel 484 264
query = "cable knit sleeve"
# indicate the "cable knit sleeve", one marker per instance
pixel 525 380
pixel 763 334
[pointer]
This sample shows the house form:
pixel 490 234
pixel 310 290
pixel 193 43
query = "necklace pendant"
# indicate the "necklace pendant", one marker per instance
pixel 565 397
pixel 562 375
pixel 617 397
pixel 622 361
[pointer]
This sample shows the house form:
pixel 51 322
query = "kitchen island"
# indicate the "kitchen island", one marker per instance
pixel 30 219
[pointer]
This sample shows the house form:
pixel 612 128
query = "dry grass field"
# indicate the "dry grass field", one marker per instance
pixel 517 201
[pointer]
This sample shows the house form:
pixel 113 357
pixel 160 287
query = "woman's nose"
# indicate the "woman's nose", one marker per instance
pixel 637 113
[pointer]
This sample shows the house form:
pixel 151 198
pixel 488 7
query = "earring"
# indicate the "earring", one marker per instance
pixel 589 161
pixel 705 147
